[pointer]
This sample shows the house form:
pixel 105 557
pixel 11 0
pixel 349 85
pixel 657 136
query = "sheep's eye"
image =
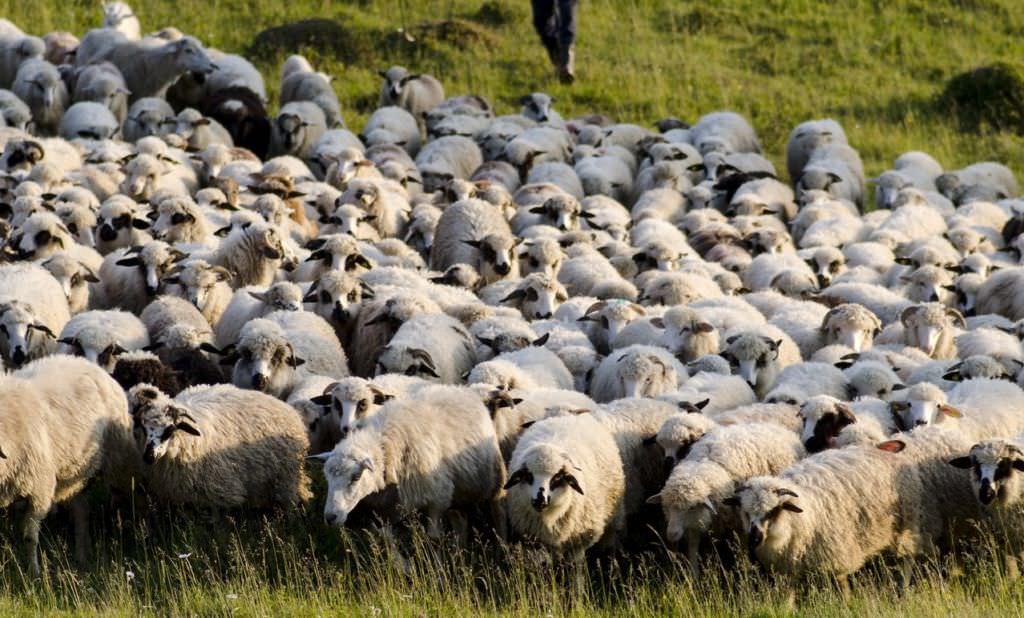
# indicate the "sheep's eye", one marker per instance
pixel 531 295
pixel 534 262
pixel 412 370
pixel 177 218
pixel 356 476
pixel 246 355
pixel 76 279
pixel 353 296
pixel 361 406
pixel 882 393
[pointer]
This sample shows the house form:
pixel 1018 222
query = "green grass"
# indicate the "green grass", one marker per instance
pixel 878 67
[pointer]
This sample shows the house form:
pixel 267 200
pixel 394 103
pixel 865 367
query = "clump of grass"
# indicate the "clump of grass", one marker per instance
pixel 988 97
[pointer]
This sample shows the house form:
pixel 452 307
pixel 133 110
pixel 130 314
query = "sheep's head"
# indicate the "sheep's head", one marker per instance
pixel 337 294
pixel 459 275
pixel 928 284
pixel 263 357
pixel 794 283
pixel 158 422
pixel 353 401
pixel 198 281
pixel 154 260
pixel 291 129
pixel 338 252
pixel 977 366
pixel 353 470
pixel 644 374
pixel 537 106
pixel 851 325
pixel 20 326
pixel 996 466
pixel 691 497
pixel 687 335
pixel 95 343
pixel 282 296
pixel 541 256
pixel 966 287
pixel 42 235
pixel 872 379
pixel 72 275
pixel 927 325
pixel 559 211
pixel 547 476
pixel 420 234
pixel 177 220
pixel 613 315
pixel 497 257
pixel 657 254
pixel 22 154
pixel 679 432
pixel 537 296
pixel 766 505
pixel 922 404
pixel 348 219
pixel 407 361
pixel 826 263
pixel 188 53
pixel 395 78
pixel 823 418
pixel 751 357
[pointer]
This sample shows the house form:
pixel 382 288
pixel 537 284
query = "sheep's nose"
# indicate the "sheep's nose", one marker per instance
pixel 823 281
pixel 540 501
pixel 339 314
pixel 986 494
pixel 755 537
pixel 19 356
pixel 920 423
pixel 934 297
pixel 670 463
pixel 330 518
pixel 107 232
pixel 259 381
pixel 345 431
pixel 543 316
pixel 502 269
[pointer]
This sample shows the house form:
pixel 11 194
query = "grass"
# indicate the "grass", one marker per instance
pixel 880 68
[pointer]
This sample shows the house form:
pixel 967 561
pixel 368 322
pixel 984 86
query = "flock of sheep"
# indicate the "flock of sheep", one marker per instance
pixel 554 322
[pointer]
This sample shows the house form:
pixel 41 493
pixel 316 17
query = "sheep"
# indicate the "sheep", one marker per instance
pixel 474 232
pixel 88 120
pixel 201 132
pixel 999 294
pixel 102 83
pixel 991 342
pixel 911 169
pixel 829 423
pixel 119 16
pixel 196 445
pixel 636 371
pixel 175 325
pixel 273 354
pixel 797 383
pixel 829 514
pixel 348 404
pixel 835 168
pixel 65 422
pixel 528 368
pixel 203 285
pixel 805 139
pixel 931 327
pixel 15 49
pixel 253 302
pixel 979 408
pixel 447 158
pixel 129 278
pixel 692 499
pixel 724 132
pixel 392 125
pixel 432 346
pixel 544 256
pixel 73 277
pixel 414 92
pixel 386 205
pixel 14 112
pixel 121 223
pixel 994 181
pixel 148 69
pixel 252 254
pixel 141 366
pixel 323 433
pixel 33 311
pixel 884 303
pixel 536 296
pixel 146 116
pixel 566 487
pixel 102 336
pixel 869 378
pixel 851 325
pixel 758 355
pixel 148 175
pixel 296 128
pixel 38 84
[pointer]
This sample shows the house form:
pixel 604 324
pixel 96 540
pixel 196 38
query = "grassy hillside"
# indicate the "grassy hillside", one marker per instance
pixel 877 67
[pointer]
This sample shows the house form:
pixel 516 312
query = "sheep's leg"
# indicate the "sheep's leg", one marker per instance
pixel 1011 567
pixel 844 587
pixel 79 506
pixel 34 515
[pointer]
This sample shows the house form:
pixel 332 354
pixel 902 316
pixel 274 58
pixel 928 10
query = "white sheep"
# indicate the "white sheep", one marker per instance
pixel 39 85
pixel 636 371
pixel 33 311
pixel 432 346
pixel 102 336
pixel 414 92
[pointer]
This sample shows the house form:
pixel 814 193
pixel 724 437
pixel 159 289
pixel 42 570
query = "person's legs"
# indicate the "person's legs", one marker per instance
pixel 546 25
pixel 566 40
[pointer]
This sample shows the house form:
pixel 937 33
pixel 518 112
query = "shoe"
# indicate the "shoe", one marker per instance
pixel 565 67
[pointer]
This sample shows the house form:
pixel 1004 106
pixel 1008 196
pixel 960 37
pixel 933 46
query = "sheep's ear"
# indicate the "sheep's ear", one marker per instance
pixel 658 322
pixel 899 386
pixel 789 506
pixel 542 340
pixel 3 455
pixel 703 327
pixel 538 210
pixel 153 347
pixel 700 405
pixel 260 296
pixel 527 424
pixel 1017 464
pixel 184 421
pixel 846 413
pixel 964 463
pixel 43 328
pixel 892 446
pixel 222 273
pixel 731 340
pixel 319 457
pixel 132 261
pixel 357 260
pixel 732 501
pixel 517 477
pixel 209 348
pixel 140 224
pixel 473 243
pixel 907 314
pixel 516 295
pixel 650 440
pixel 950 411
pixel 575 484
pixel 525 99
pixel 957 317
pixel 379 396
pixel 321 400
pixel 655 499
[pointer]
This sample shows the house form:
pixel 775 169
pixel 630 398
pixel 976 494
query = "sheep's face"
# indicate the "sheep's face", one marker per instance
pixel 538 298
pixel 920 412
pixel 421 235
pixel 407 361
pixel 291 129
pixel 282 296
pixel 497 257
pixel 560 211
pixel 852 326
pixel 148 122
pixel 679 433
pixel 116 222
pixel 766 507
pixel 547 477
pixel 827 265
pixel 537 106
pixel 20 328
pixel 350 478
pixel 928 325
pixel 657 255
pixel 80 221
pixel 199 281
pixel 336 295
pixel 927 284
pixel 175 221
pixel 751 357
pixel 877 382
pixel 189 54
pixel 965 288
pixel 542 257
pixel 95 344
pixel 823 418
pixel 154 260
pixel 645 375
pixel 996 467
pixel 887 187
pixel 265 363
pixel 690 338
pixel 73 276
pixel 41 237
pixel 977 366
pixel 353 403
pixel 157 422
pixel 347 219
pixel 141 176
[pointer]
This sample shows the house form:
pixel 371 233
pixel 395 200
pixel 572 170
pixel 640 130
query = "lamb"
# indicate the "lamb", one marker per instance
pixel 195 445
pixel 432 346
pixel 316 88
pixel 271 350
pixel 996 181
pixel 835 168
pixel 759 354
pixel 348 404
pixel 146 116
pixel 567 485
pixel 33 310
pixel 148 69
pixel 544 256
pixel 528 368
pixel 38 84
pixel 64 423
pixel 474 232
pixel 253 254
pixel 851 325
pixel 414 92
pixel 452 461
pixel 102 336
pixel 14 112
pixel 636 371
pixel 694 494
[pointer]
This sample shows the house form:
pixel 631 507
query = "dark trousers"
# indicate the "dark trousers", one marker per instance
pixel 555 22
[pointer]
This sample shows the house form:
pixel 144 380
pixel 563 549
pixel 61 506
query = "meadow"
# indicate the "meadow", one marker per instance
pixel 879 68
